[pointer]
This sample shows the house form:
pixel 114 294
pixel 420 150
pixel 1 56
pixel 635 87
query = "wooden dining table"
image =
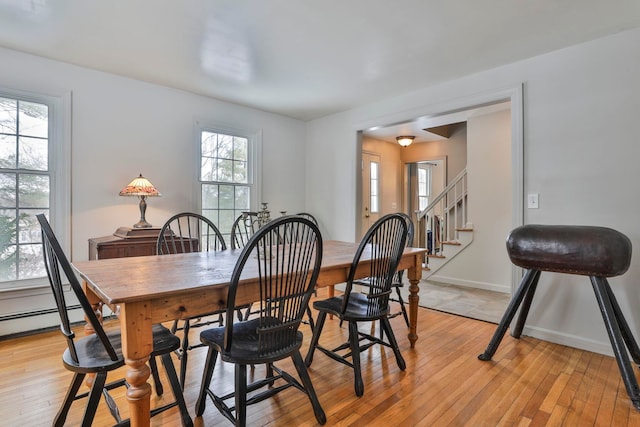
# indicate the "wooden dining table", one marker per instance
pixel 159 288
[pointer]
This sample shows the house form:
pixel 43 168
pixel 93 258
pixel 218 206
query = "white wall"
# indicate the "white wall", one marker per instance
pixel 122 127
pixel 580 153
pixel 489 207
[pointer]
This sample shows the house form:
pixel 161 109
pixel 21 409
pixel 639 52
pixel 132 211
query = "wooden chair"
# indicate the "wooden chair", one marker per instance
pixel 99 353
pixel 308 216
pixel 384 242
pixel 397 283
pixel 287 270
pixel 243 228
pixel 309 320
pixel 184 233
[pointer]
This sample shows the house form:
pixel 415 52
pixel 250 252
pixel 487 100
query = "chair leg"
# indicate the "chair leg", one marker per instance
pixel 386 327
pixel 611 323
pixel 241 395
pixel 402 307
pixel 156 376
pixel 167 362
pixel 185 350
pixel 322 316
pixel 310 316
pixel 525 285
pixel 94 399
pixel 61 416
pixel 354 344
pixel 209 364
pixel 308 386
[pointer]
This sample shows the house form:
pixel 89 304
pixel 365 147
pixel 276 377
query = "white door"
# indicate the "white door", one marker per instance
pixel 370 190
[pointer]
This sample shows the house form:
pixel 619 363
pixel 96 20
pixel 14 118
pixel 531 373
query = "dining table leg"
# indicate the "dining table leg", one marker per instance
pixel 137 344
pixel 414 275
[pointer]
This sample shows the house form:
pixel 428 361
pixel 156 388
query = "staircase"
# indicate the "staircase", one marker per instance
pixel 443 227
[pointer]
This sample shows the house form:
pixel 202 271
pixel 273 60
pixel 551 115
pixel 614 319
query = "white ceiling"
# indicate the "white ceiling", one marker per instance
pixel 304 59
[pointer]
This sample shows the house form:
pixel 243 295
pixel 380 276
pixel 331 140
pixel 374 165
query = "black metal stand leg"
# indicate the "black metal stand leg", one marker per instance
pixel 526 305
pixel 617 341
pixel 632 344
pixel 525 284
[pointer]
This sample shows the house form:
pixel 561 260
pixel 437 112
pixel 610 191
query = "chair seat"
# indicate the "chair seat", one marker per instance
pixel 357 308
pixel 244 348
pixel 91 350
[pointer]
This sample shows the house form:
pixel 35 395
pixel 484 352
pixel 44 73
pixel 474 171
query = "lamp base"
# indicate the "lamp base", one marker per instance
pixel 142 224
pixel 132 233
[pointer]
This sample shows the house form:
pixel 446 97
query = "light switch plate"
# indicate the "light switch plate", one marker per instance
pixel 532 201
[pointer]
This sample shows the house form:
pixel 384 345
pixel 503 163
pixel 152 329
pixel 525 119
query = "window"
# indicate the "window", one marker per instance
pixel 424 185
pixel 374 185
pixel 31 144
pixel 227 170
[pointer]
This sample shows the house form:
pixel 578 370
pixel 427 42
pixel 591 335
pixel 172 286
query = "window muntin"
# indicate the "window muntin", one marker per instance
pixel 25 186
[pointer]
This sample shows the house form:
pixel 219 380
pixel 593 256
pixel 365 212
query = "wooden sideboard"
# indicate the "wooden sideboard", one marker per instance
pixel 125 242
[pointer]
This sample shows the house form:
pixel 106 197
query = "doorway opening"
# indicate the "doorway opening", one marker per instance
pixel 408 169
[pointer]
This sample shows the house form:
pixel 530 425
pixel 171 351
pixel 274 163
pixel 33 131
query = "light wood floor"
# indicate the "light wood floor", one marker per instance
pixel 529 383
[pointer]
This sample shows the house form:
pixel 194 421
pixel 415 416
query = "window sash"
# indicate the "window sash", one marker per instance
pixel 57 173
pixel 223 197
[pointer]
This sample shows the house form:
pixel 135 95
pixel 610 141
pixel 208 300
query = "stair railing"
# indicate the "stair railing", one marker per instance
pixel 443 216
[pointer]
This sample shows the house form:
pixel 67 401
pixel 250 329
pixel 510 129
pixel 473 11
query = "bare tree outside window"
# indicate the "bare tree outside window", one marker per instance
pixel 24 186
pixel 224 178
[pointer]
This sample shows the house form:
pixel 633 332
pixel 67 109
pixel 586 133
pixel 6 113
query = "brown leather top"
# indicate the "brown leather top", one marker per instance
pixel 572 249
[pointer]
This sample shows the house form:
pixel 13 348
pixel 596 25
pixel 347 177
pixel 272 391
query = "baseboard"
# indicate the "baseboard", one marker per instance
pixel 505 289
pixel 569 340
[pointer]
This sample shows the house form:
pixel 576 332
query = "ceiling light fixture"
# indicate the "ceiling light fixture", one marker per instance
pixel 405 141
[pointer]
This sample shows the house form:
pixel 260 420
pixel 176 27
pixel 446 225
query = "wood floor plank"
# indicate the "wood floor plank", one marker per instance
pixel 528 383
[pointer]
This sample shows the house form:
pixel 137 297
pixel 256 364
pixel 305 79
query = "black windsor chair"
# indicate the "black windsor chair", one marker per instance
pixel 184 233
pixel 243 228
pixel 99 353
pixel 397 282
pixel 384 242
pixel 287 269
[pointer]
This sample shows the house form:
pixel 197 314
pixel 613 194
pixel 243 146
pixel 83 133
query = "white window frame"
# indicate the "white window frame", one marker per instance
pixel 60 182
pixel 254 168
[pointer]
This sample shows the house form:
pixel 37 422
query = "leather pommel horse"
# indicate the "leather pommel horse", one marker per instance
pixel 597 252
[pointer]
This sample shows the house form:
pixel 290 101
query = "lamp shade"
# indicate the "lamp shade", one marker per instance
pixel 405 141
pixel 140 186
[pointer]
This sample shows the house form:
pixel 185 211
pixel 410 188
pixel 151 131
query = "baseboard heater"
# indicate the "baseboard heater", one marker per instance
pixel 33 313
